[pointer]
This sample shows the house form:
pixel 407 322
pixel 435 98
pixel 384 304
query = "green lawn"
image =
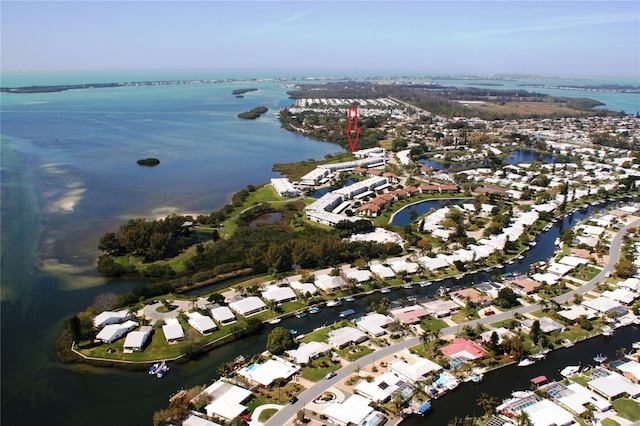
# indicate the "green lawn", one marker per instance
pixel 354 352
pixel 627 408
pixel 609 422
pixel 267 414
pixel 318 368
pixel 432 323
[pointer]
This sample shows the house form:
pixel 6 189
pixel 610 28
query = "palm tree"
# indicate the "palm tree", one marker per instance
pixel 524 419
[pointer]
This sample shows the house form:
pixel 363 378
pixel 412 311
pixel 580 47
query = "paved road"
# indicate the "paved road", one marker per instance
pixel 289 411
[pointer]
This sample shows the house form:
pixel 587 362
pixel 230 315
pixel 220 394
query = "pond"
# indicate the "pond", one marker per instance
pixel 320 192
pixel 402 218
pixel 517 156
pixel 272 217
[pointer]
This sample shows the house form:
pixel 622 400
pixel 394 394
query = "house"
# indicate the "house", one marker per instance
pixel 374 324
pixel 284 188
pixel 357 275
pixel 279 294
pixel 501 332
pixel 223 315
pixel 630 370
pixel 136 340
pixel 203 324
pixel 112 332
pixel 111 317
pixel 413 368
pixel 226 400
pixel 384 272
pixel 525 286
pixel 601 306
pixel 304 288
pixel 172 330
pixel 193 420
pixel 329 283
pixel 248 306
pixel 441 308
pixel 309 351
pixel 463 350
pixel 409 314
pixel 346 336
pixel 546 413
pixel 264 374
pixel 353 411
pixel 402 266
pixel 614 385
pixel 381 388
pixel 470 296
pixel 547 325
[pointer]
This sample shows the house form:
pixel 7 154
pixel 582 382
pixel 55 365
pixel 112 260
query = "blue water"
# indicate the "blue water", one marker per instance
pixel 516 157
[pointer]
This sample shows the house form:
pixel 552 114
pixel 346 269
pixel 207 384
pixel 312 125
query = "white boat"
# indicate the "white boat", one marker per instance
pixel 407 286
pixel 452 384
pixel 521 394
pixel 385 290
pixel 336 302
pixel 539 355
pixel 526 362
pixel 154 368
pixel 477 378
pixel 162 370
pixel 569 370
pixel 600 358
pixel 635 345
pixel 349 299
pixel 274 320
pixel 314 310
pixel 425 283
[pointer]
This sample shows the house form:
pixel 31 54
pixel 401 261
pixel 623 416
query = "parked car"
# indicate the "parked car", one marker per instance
pixel 330 375
pixel 293 400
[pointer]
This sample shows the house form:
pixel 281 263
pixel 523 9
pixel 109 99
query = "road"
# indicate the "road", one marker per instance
pixel 289 411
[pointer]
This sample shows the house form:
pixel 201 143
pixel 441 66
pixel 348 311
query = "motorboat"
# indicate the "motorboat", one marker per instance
pixel 477 378
pixel 347 313
pixel 385 290
pixel 162 370
pixel 526 362
pixel 635 345
pixel 425 283
pixel 408 286
pixel 336 302
pixel 600 358
pixel 570 370
pixel 538 356
pixel 349 299
pixel 274 321
pixel 314 310
pixel 154 368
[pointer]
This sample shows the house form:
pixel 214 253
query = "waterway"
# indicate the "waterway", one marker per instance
pixel 517 156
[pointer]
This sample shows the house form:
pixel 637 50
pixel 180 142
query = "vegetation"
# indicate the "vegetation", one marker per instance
pixel 148 162
pixel 279 340
pixel 253 113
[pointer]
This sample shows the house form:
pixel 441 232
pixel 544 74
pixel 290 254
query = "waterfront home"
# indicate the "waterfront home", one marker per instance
pixel 613 385
pixel 575 397
pixel 413 368
pixel 357 275
pixel 345 336
pixel 203 324
pixel 462 350
pixel 304 288
pixel 546 413
pixel 111 317
pixel 223 315
pixel 470 297
pixel 172 330
pixel 112 332
pixel 441 308
pixel 601 306
pixel 330 283
pixel 308 351
pixel 264 374
pixel 226 400
pixel 381 388
pixel 623 296
pixel 193 420
pixel 501 332
pixel 547 325
pixel 355 410
pixel 279 294
pixel 374 324
pixel 434 263
pixel 384 272
pixel 136 340
pixel 630 370
pixel 409 314
pixel 525 286
pixel 248 306
pixel 575 312
pixel 399 266
pixel 284 188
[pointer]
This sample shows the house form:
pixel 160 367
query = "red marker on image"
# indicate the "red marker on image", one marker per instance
pixel 353 131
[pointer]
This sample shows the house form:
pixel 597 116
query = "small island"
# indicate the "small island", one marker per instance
pixel 243 91
pixel 149 162
pixel 254 113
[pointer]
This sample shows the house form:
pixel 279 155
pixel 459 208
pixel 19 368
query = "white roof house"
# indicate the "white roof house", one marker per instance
pixel 304 288
pixel 374 324
pixel 136 340
pixel 546 413
pixel 346 336
pixel 172 330
pixel 601 305
pixel 559 269
pixel 631 370
pixel 265 373
pixel 112 332
pixel 194 420
pixel 382 271
pixel 403 265
pixel 111 317
pixel 203 324
pixel 248 306
pixel 359 275
pixel 284 188
pixel 614 385
pixel 413 368
pixel 574 312
pixel 621 295
pixel 573 261
pixel 578 397
pixel 501 332
pixel 381 388
pixel 223 315
pixel 353 410
pixel 227 399
pixel 307 351
pixel 434 263
pixel 279 294
pixel 329 283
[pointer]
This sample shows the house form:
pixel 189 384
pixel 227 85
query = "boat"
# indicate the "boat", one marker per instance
pixel 477 378
pixel 570 370
pixel 349 299
pixel 452 384
pixel 154 368
pixel 487 270
pixel 336 302
pixel 425 283
pixel 526 362
pixel 459 277
pixel 539 355
pixel 314 310
pixel 301 314
pixel 293 331
pixel 162 370
pixel 300 336
pixel 407 286
pixel 425 407
pixel 600 358
pixel 521 394
pixel 274 320
pixel 347 313
pixel 636 345
pixel 385 290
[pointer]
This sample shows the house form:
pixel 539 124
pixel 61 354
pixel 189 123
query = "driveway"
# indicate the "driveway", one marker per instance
pixel 151 311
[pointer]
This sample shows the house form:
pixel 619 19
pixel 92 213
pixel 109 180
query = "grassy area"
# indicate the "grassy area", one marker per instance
pixel 267 414
pixel 354 352
pixel 627 408
pixel 581 380
pixel 318 368
pixel 585 272
pixel 432 323
pixel 609 422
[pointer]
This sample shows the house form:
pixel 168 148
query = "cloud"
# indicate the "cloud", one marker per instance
pixel 282 22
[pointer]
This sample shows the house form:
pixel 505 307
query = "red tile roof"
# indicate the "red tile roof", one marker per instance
pixel 463 345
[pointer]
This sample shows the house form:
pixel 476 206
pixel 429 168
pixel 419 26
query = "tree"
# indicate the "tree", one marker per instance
pixel 507 298
pixel 536 332
pixel 279 340
pixel 625 268
pixel 488 403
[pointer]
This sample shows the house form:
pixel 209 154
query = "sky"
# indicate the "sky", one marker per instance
pixel 555 38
